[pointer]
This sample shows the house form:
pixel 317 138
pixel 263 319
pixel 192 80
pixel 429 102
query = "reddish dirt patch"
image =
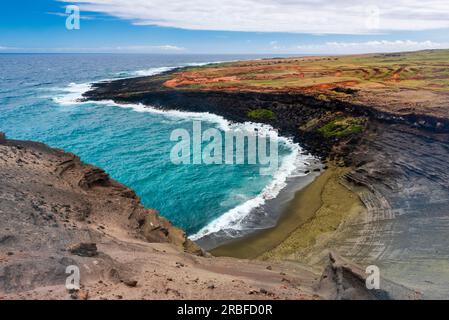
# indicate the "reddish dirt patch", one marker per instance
pixel 330 86
pixel 395 76
pixel 191 80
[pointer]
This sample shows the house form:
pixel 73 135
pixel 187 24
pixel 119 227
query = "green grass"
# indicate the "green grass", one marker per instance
pixel 387 81
pixel 262 114
pixel 342 127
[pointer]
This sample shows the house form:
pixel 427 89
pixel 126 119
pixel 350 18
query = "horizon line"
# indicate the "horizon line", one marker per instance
pixel 202 53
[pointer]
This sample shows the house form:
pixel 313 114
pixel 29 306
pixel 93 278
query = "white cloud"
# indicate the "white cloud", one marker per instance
pixel 65 15
pixel 144 48
pixel 297 16
pixel 6 48
pixel 369 46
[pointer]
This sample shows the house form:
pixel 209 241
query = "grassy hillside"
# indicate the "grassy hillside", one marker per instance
pixel 403 83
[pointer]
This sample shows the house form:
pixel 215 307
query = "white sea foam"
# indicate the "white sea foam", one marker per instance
pixel 155 71
pixel 293 165
pixel 72 94
pixel 151 71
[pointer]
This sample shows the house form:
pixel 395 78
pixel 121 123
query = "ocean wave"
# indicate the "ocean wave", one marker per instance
pixel 72 94
pixel 158 70
pixel 151 71
pixel 292 165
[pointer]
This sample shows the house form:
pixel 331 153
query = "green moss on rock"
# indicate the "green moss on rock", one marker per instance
pixel 341 127
pixel 262 114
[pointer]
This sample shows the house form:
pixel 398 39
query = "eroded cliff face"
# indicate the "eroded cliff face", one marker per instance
pixel 51 201
pixel 403 172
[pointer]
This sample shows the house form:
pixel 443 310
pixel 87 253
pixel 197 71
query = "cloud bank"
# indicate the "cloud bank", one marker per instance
pixel 368 46
pixel 2 48
pixel 295 16
pixel 147 48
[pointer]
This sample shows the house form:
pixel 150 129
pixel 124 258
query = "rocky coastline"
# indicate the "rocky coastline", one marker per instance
pixel 397 163
pixel 297 114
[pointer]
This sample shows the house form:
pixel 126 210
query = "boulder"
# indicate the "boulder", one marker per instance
pixel 344 280
pixel 92 177
pixel 84 249
pixel 159 230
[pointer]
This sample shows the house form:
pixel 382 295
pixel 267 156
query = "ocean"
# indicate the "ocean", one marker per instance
pixel 39 100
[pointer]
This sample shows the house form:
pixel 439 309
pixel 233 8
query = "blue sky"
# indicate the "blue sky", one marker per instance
pixel 226 26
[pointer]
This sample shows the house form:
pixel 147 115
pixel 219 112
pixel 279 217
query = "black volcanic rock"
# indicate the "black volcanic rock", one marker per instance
pixel 84 249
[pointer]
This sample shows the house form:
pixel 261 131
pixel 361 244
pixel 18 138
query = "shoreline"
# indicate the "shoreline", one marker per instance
pixel 216 238
pixel 308 163
pixel 300 225
pixel 291 216
pixel 209 241
pixel 270 213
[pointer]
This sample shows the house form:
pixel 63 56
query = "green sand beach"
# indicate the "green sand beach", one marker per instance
pixel 313 215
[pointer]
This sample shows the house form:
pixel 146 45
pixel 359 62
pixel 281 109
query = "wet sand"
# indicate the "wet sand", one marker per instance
pixel 314 214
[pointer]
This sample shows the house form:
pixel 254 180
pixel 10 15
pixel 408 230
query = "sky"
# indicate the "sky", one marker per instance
pixel 224 26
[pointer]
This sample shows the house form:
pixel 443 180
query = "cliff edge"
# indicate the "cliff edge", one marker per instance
pixel 58 212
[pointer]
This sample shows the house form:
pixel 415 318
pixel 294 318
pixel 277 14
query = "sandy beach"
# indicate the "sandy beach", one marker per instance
pixel 311 219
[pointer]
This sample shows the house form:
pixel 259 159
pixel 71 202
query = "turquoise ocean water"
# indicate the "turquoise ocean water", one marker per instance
pixel 38 101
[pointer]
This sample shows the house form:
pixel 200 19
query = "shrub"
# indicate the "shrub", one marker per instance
pixel 262 114
pixel 342 127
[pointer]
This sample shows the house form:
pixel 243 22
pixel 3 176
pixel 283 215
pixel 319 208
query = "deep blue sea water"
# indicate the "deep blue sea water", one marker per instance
pixel 38 102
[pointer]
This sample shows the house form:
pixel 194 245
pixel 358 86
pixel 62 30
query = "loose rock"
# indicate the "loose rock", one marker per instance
pixel 84 249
